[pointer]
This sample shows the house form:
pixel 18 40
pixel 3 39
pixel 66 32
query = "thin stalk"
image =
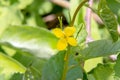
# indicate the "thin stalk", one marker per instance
pixel 79 31
pixel 77 10
pixel 66 59
pixel 60 21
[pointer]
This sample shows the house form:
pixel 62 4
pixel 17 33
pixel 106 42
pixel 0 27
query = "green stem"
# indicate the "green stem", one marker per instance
pixel 60 21
pixel 66 59
pixel 79 31
pixel 77 10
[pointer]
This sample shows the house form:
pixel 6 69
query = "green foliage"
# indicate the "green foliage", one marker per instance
pixel 9 66
pixel 106 72
pixel 30 39
pixel 108 18
pixel 100 48
pixel 9 16
pixel 34 65
pixel 114 6
pixel 117 67
pixel 17 76
pixel 55 67
pixel 28 49
pixel 21 4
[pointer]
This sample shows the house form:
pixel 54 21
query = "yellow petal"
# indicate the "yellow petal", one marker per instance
pixel 72 41
pixel 62 44
pixel 58 32
pixel 69 31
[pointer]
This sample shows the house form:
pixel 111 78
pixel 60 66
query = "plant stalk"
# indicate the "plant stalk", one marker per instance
pixel 66 59
pixel 77 10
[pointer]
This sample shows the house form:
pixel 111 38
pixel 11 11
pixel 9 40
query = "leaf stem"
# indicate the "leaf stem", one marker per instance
pixel 79 31
pixel 77 10
pixel 66 59
pixel 60 21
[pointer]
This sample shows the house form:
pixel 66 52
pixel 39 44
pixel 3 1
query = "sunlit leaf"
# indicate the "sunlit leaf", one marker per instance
pixel 9 66
pixel 20 4
pixel 92 63
pixel 102 72
pixel 9 16
pixel 24 3
pixel 37 41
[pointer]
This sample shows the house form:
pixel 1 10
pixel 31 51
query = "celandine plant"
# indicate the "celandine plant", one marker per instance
pixel 65 53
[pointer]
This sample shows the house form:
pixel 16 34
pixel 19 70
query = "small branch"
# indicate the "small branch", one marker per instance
pixel 88 22
pixel 77 10
pixel 61 3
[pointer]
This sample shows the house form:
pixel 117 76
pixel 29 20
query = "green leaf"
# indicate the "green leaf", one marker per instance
pixel 8 66
pixel 102 72
pixel 9 16
pixel 24 3
pixel 5 2
pixel 37 41
pixel 75 72
pixel 41 6
pixel 117 67
pixel 20 4
pixel 108 19
pixel 100 48
pixel 92 63
pixel 53 69
pixel 32 74
pixel 113 5
pixel 24 58
pixel 17 76
pixel 33 64
pixel 45 8
pixel 35 20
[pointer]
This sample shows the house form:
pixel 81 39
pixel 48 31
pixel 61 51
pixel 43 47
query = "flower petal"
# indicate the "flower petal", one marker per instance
pixel 72 41
pixel 58 32
pixel 62 44
pixel 69 31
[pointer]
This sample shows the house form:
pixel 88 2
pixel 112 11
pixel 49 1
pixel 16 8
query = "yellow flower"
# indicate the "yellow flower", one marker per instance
pixel 66 37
